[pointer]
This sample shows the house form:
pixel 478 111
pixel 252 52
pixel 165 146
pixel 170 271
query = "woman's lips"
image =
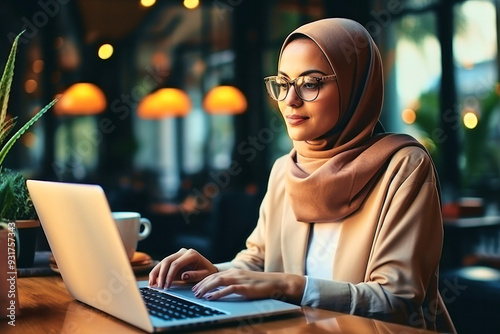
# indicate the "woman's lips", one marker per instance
pixel 296 119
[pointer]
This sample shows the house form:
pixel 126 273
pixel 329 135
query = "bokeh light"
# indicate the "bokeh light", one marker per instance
pixel 105 51
pixel 148 3
pixel 470 120
pixel 29 139
pixel 37 66
pixel 30 86
pixel 409 116
pixel 191 4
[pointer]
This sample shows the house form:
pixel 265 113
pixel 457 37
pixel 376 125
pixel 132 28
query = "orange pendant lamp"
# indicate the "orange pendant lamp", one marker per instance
pixel 224 100
pixel 163 103
pixel 81 99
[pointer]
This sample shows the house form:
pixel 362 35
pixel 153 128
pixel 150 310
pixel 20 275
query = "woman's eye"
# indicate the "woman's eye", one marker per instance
pixel 310 85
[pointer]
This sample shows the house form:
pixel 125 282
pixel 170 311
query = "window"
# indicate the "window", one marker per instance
pixel 413 88
pixel 417 77
pixel 476 70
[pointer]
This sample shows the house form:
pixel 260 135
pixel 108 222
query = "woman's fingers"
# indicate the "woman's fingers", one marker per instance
pixel 158 275
pixel 225 291
pixel 189 261
pixel 249 284
pixel 207 286
pixel 186 265
pixel 153 274
pixel 191 276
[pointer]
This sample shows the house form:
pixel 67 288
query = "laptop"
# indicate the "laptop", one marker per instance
pixel 94 266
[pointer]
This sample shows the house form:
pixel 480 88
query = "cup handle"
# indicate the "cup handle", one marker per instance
pixel 147 228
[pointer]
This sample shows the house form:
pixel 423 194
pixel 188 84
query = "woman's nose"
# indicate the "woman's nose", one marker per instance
pixel 292 98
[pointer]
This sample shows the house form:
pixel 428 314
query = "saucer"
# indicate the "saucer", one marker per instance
pixel 142 262
pixel 140 259
pixel 140 269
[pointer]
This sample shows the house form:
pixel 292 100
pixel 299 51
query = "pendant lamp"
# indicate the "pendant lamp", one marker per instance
pixel 224 100
pixel 81 99
pixel 164 102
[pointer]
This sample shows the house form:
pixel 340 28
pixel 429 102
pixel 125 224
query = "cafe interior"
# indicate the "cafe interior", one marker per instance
pixel 163 104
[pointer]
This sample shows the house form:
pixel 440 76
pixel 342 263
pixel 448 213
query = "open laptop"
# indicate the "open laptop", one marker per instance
pixel 91 258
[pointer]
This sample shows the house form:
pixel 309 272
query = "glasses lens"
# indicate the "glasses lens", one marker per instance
pixel 308 88
pixel 277 88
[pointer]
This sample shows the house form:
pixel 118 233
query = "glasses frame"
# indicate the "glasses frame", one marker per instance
pixel 294 83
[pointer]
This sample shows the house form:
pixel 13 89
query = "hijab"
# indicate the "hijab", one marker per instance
pixel 329 179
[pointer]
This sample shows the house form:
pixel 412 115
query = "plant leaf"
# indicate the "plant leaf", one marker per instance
pixel 6 81
pixel 6 127
pixel 6 148
pixel 6 195
pixel 14 196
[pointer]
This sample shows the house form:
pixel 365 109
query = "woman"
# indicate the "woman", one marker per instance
pixel 351 220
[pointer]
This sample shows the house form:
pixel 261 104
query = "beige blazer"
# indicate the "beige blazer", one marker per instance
pixel 386 263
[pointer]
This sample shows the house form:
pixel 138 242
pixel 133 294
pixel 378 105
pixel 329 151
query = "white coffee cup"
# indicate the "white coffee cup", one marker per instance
pixel 129 224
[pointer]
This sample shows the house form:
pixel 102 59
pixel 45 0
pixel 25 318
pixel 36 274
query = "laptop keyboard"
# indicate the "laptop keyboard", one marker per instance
pixel 168 307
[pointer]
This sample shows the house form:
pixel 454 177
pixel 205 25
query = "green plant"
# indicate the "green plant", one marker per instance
pixel 16 203
pixel 479 154
pixel 479 150
pixel 14 198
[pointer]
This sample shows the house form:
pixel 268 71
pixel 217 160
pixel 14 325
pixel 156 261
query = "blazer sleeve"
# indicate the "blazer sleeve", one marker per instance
pixel 405 253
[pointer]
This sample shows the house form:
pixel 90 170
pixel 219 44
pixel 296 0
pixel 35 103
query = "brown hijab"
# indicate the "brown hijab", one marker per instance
pixel 338 171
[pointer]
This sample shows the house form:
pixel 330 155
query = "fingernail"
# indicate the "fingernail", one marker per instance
pixel 197 294
pixel 185 277
pixel 208 296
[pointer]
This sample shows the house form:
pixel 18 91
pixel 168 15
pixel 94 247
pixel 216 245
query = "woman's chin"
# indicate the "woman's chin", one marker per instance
pixel 299 136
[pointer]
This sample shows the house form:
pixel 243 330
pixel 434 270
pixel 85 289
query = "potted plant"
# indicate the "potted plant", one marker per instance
pixel 15 202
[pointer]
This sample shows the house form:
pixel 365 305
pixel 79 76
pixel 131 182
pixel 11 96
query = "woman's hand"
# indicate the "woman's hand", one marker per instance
pixel 186 265
pixel 251 285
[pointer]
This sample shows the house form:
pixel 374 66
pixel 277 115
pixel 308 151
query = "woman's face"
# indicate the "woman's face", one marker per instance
pixel 308 120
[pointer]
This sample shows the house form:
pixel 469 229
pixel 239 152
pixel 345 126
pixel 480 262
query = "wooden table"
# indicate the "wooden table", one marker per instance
pixel 46 307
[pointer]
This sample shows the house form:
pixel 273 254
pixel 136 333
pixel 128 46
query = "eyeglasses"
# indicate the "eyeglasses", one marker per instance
pixel 307 88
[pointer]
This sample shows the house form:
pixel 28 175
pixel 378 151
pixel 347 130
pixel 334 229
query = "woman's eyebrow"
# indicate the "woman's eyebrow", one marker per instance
pixel 305 72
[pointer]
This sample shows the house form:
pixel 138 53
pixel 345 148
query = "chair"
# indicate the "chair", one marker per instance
pixel 223 233
pixel 472 296
pixel 470 276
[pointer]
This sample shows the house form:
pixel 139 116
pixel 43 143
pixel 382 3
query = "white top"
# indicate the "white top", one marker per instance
pixel 322 246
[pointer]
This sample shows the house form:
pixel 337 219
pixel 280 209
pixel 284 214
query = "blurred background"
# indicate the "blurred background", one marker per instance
pixel 147 123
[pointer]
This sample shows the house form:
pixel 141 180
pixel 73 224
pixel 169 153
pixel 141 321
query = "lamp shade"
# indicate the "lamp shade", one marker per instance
pixel 81 99
pixel 164 102
pixel 224 100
